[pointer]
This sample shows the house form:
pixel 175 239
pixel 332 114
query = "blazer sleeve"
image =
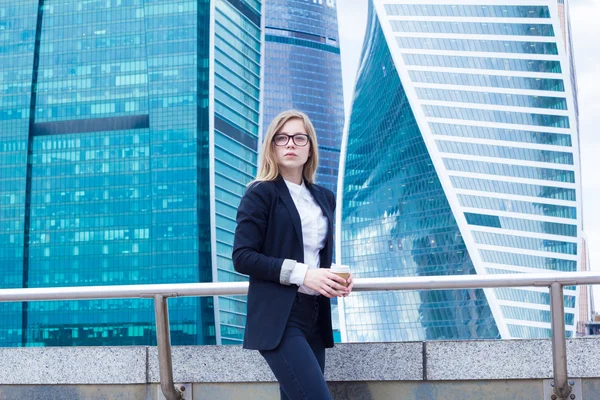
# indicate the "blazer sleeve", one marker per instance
pixel 252 220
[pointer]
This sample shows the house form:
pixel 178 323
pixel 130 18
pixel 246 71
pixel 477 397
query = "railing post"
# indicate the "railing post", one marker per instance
pixel 163 341
pixel 559 342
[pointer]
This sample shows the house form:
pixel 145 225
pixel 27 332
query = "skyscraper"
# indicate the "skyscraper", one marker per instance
pixel 303 71
pixel 461 157
pixel 128 130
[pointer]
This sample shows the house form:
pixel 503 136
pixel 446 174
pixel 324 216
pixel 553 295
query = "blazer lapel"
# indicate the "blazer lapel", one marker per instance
pixel 284 193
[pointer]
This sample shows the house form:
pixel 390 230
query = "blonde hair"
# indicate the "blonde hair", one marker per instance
pixel 268 169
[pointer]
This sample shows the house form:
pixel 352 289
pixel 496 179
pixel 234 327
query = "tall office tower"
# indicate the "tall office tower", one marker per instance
pixel 303 71
pixel 461 157
pixel 128 130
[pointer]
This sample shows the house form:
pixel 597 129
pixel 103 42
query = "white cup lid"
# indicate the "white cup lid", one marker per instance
pixel 339 268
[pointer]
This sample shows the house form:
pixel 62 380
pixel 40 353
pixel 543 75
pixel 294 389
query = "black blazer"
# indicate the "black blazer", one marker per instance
pixel 269 231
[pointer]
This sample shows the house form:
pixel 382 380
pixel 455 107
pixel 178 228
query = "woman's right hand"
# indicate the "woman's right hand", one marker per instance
pixel 325 282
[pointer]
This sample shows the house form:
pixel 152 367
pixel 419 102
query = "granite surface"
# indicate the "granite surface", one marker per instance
pixel 345 362
pixel 364 362
pixel 375 362
pixel 212 364
pixel 72 365
pixel 582 358
pixel 508 359
pixel 468 360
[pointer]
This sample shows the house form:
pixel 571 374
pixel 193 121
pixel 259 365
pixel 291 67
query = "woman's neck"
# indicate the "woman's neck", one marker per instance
pixel 294 176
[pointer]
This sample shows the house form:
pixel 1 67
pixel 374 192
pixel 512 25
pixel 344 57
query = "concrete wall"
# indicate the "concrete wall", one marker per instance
pixel 489 370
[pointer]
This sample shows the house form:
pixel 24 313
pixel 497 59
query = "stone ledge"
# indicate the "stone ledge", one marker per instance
pixel 508 359
pixel 212 364
pixel 348 362
pixel 401 361
pixel 72 365
pixel 345 362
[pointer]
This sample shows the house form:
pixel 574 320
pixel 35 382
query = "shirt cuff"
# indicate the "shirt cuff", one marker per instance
pixel 286 271
pixel 298 274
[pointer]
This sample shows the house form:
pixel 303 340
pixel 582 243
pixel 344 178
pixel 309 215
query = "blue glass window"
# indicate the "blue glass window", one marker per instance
pixel 521 171
pixel 525 260
pixel 529 332
pixel 516 153
pixel 461 96
pixel 520 224
pixel 528 314
pixel 459 10
pixel 473 28
pixel 522 242
pixel 499 81
pixel 530 296
pixel 493 203
pixel 231 70
pixel 491 46
pixel 506 117
pixel 508 64
pixel 302 42
pixel 522 189
pixel 511 135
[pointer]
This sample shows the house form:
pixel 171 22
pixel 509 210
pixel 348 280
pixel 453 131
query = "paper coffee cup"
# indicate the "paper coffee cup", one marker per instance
pixel 343 271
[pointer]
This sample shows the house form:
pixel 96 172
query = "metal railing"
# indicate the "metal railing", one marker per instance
pixel 160 294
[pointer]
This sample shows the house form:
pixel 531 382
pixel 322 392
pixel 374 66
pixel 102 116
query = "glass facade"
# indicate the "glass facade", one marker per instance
pixel 520 224
pixel 509 135
pixel 521 171
pixel 110 143
pixel 525 242
pixel 237 74
pixel 495 46
pixel 474 114
pixel 473 28
pixel 481 63
pixel 461 157
pixel 461 10
pixel 521 189
pixel 303 72
pixel 546 156
pixel 517 206
pixel 514 100
pixel 530 296
pixel 396 220
pixel 488 80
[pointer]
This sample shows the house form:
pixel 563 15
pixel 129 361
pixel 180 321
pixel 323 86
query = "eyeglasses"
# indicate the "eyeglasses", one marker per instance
pixel 299 140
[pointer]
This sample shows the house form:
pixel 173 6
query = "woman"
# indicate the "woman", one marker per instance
pixel 284 242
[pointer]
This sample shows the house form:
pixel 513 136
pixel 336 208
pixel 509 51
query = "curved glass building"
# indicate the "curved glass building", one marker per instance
pixel 461 157
pixel 302 70
pixel 128 131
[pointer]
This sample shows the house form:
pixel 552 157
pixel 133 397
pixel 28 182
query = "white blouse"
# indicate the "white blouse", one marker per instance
pixel 314 233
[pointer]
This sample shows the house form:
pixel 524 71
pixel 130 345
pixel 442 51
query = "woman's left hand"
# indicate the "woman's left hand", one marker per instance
pixel 350 284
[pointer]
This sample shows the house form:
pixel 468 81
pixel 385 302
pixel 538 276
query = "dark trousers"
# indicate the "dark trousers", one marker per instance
pixel 298 362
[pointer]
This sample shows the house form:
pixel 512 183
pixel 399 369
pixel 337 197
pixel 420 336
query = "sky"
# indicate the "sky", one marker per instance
pixel 352 18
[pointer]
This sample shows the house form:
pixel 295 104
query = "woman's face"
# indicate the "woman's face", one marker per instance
pixel 292 155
